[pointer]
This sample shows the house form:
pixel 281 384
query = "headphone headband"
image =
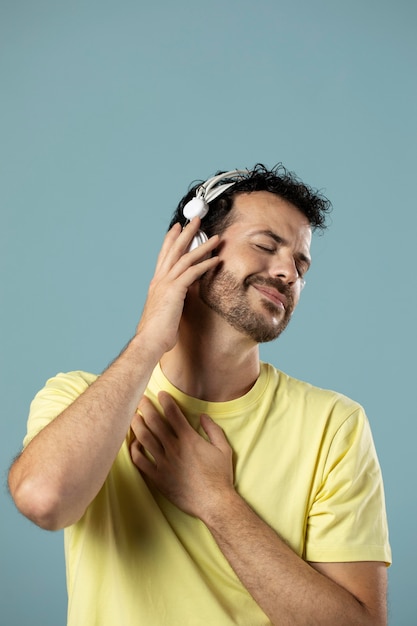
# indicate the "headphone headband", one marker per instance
pixel 208 191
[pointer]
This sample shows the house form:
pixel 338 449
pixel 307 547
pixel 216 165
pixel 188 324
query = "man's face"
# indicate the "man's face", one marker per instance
pixel 264 254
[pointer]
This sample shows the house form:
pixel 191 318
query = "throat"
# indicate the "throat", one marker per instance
pixel 210 377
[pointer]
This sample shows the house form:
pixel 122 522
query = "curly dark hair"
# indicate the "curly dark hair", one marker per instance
pixel 278 180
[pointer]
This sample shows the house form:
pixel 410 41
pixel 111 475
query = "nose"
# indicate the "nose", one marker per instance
pixel 283 267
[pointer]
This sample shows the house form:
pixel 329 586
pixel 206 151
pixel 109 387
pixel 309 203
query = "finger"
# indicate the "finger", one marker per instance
pixel 147 438
pixel 176 243
pixel 175 417
pixel 169 239
pixel 214 433
pixel 135 423
pixel 148 411
pixel 155 423
pixel 180 261
pixel 135 450
pixel 178 246
pixel 146 406
pixel 142 462
pixel 187 274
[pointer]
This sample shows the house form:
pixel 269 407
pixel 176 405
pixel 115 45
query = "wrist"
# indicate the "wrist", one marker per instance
pixel 145 348
pixel 221 507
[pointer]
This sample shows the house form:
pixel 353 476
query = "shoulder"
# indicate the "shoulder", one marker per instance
pixel 312 404
pixel 64 385
pixel 76 380
pixel 57 394
pixel 288 385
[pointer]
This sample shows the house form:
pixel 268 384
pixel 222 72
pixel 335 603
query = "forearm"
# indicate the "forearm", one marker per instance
pixel 64 467
pixel 289 590
pixel 66 464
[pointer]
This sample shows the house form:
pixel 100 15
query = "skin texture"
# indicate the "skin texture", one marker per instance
pixel 207 349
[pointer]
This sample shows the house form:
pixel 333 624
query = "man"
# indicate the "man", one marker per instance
pixel 197 485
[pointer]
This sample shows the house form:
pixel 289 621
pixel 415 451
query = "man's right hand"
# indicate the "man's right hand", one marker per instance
pixel 176 270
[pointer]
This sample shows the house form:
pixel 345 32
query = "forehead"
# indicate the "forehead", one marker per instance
pixel 262 210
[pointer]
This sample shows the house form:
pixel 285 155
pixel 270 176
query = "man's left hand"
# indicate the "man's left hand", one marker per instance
pixel 189 470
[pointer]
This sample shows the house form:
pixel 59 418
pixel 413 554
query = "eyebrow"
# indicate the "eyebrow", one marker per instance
pixel 283 242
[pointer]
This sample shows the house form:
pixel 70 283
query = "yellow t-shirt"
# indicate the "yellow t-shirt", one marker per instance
pixel 304 461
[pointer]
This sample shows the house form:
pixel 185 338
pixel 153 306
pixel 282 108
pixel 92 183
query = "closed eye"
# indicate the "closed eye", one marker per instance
pixel 265 248
pixel 302 270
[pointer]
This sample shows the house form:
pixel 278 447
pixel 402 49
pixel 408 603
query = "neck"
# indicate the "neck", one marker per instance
pixel 212 362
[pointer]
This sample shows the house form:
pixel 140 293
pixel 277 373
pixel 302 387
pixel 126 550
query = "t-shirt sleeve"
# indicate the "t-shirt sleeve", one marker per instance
pixel 59 392
pixel 347 520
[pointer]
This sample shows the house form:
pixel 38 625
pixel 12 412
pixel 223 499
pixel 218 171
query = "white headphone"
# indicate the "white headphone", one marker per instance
pixel 205 193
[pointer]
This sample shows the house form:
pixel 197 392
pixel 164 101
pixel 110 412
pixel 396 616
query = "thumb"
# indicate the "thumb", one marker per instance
pixel 214 433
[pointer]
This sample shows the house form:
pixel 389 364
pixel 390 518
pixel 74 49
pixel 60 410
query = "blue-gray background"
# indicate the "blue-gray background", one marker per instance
pixel 108 110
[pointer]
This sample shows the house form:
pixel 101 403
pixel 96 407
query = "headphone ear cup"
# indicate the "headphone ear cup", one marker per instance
pixel 199 239
pixel 196 207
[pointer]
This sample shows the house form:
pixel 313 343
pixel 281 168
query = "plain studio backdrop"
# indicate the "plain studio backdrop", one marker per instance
pixel 108 111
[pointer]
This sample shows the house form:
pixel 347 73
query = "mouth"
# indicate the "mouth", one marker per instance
pixel 273 295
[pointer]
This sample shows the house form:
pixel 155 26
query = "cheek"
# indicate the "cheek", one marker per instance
pixel 241 262
pixel 296 296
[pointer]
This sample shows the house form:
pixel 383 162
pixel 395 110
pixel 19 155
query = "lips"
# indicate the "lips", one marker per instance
pixel 273 295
